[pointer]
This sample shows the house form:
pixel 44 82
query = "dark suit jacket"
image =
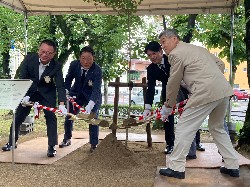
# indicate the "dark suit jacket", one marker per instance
pixel 30 70
pixel 155 73
pixel 91 87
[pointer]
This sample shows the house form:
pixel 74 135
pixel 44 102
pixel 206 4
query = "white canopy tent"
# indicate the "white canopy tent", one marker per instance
pixel 147 7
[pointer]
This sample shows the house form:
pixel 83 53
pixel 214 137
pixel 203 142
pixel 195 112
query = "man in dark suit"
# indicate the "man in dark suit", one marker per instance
pixel 159 70
pixel 87 89
pixel 156 71
pixel 47 78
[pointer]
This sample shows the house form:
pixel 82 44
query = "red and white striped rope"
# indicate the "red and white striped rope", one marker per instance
pixel 37 107
pixel 71 99
pixel 178 106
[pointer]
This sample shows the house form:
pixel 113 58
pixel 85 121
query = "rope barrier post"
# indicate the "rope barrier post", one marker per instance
pixel 148 127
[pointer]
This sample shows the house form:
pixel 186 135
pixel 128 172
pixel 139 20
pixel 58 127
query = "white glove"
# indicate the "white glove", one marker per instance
pixel 165 112
pixel 63 109
pixel 147 111
pixel 89 106
pixel 25 101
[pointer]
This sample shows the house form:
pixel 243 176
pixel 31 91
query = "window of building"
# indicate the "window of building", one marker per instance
pixel 244 69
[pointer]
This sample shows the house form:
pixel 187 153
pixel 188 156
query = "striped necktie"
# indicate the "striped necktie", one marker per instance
pixel 162 67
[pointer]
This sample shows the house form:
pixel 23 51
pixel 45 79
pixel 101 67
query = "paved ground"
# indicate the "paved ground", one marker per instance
pixel 200 177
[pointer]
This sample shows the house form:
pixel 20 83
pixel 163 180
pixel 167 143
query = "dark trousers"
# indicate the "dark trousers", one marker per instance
pixel 169 131
pixel 68 124
pixel 51 121
pixel 198 137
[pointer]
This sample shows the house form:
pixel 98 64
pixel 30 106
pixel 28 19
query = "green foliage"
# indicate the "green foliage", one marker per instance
pixel 135 75
pixel 122 109
pixel 158 124
pixel 214 32
pixel 134 109
pixel 5 121
pixel 239 126
pixel 147 32
pixel 244 134
pixel 11 27
pixel 37 32
pixel 236 104
pixel 121 6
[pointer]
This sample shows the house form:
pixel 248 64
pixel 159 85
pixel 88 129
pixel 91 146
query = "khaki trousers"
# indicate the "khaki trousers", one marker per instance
pixel 188 124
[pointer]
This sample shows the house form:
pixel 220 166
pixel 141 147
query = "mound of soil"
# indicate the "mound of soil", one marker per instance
pixel 111 154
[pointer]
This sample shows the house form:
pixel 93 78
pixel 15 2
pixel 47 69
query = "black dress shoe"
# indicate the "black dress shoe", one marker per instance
pixel 231 172
pixel 51 151
pixel 188 157
pixel 199 147
pixel 92 148
pixel 169 150
pixel 171 173
pixel 65 143
pixel 8 147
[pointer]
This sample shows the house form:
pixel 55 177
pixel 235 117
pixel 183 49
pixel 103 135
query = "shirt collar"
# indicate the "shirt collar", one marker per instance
pixel 43 64
pixel 84 68
pixel 162 62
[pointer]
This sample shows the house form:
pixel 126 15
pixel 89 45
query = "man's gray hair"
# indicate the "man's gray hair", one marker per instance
pixel 169 33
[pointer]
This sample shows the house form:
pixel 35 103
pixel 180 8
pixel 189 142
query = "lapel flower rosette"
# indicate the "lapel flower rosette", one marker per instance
pixel 47 79
pixel 90 83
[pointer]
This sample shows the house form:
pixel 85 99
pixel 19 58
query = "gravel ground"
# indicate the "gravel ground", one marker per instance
pixel 111 164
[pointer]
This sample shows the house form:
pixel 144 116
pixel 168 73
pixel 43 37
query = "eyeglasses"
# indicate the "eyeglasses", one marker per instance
pixel 48 53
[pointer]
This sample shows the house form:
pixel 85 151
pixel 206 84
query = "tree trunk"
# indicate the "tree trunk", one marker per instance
pixel 245 131
pixel 191 23
pixel 164 22
pixel 6 62
pixel 106 95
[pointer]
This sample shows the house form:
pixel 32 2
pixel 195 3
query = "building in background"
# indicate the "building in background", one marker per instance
pixel 241 80
pixel 15 60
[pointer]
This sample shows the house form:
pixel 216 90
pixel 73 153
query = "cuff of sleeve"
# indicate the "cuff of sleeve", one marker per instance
pixel 147 107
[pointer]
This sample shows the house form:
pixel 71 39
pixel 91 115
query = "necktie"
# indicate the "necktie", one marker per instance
pixel 161 66
pixel 83 75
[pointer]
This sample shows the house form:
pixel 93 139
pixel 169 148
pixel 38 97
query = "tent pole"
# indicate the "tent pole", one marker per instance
pixel 231 63
pixel 129 74
pixel 26 31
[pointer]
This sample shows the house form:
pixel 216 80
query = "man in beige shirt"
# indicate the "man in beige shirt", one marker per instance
pixel 210 93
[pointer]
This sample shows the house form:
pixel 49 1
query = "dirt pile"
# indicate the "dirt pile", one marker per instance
pixel 111 154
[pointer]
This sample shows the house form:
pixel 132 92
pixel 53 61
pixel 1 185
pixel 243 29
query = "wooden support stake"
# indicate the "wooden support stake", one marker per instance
pixel 116 100
pixel 148 127
pixel 118 84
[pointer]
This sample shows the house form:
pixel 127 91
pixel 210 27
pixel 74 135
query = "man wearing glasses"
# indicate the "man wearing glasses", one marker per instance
pixel 47 78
